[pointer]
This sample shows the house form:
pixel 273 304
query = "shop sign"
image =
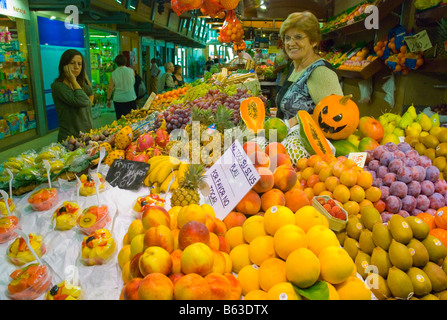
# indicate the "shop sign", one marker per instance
pixel 418 42
pixel 15 8
pixel 229 180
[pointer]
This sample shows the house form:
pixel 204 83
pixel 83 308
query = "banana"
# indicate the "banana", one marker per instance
pixel 165 170
pixel 13 165
pixel 156 159
pixel 153 170
pixel 164 185
pixel 183 168
pixel 146 181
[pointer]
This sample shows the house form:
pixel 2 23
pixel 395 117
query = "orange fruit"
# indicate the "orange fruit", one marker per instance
pixel 256 295
pixel 320 237
pixel 373 194
pixel 302 268
pixel 325 173
pixel 357 193
pixel 341 193
pixel 307 172
pixel 261 249
pixel 283 291
pixel 253 227
pixel 351 207
pixel 271 272
pixel 277 216
pixel 318 188
pixel 336 264
pixel 365 179
pixel 313 159
pixel 348 177
pixel 331 182
pixel 312 180
pixel 248 276
pixel 288 238
pixel 307 217
pixel 239 257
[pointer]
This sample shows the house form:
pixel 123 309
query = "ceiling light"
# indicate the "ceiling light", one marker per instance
pixel 52 18
pixel 263 7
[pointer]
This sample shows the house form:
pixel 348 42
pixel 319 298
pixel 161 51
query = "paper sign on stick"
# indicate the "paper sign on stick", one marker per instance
pixel 358 157
pixel 230 179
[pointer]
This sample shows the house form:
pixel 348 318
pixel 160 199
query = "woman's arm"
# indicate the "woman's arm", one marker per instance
pixel 76 98
pixel 170 82
pixel 322 83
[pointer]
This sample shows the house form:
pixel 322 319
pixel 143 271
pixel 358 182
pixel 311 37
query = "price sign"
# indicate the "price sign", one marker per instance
pixel 418 42
pixel 230 179
pixel 358 157
pixel 126 174
pixel 148 102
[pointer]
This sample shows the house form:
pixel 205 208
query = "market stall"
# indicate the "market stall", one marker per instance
pixel 202 195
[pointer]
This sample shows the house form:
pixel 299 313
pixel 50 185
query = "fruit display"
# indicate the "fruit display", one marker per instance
pixel 7 226
pixel 19 253
pixel 43 199
pixel 232 29
pixel 87 187
pixel 64 291
pixel 146 201
pixel 66 215
pixel 97 247
pixel 177 254
pixel 335 214
pixel 163 170
pixel 94 218
pixel 409 183
pixel 3 209
pixel 29 282
pixel 402 258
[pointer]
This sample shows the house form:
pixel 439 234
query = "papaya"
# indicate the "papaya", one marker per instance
pixel 312 137
pixel 253 113
pixel 343 147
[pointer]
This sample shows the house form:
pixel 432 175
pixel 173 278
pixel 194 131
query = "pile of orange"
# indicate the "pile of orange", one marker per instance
pixel 437 223
pixel 275 253
pixel 341 179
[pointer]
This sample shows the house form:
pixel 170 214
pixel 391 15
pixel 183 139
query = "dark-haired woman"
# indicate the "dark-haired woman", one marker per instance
pixel 177 76
pixel 72 96
pixel 121 85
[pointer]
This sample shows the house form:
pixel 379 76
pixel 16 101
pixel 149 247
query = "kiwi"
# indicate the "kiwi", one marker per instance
pixel 87 220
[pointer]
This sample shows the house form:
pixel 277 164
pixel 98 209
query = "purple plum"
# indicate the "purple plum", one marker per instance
pixel 409 203
pixel 414 188
pixel 410 162
pixel 399 154
pixel 405 174
pixel 389 178
pixel 386 216
pixel 441 186
pixel 424 161
pixel 399 189
pixel 432 174
pixel 390 146
pixel 413 154
pixel 416 211
pixel 377 182
pixel 403 146
pixel 382 171
pixel 418 173
pixel 393 204
pixel 427 188
pixel 395 165
pixel 423 203
pixel 373 165
pixel 386 158
pixel 403 213
pixel 377 152
pixel 385 192
pixel 436 201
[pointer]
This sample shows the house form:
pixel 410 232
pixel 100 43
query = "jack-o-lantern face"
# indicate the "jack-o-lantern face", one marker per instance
pixel 337 116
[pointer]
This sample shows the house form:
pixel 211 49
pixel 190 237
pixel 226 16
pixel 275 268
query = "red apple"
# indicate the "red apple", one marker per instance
pixel 192 232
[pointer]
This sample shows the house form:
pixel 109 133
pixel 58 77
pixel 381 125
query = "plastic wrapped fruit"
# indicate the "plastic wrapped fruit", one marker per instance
pixel 3 209
pixel 66 215
pixel 149 200
pixel 20 254
pixel 98 247
pixel 94 218
pixel 8 225
pixel 64 291
pixel 29 282
pixel 43 199
pixel 88 185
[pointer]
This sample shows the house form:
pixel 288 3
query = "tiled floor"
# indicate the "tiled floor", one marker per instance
pixel 39 143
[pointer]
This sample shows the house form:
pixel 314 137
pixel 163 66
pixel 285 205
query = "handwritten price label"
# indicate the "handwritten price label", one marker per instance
pixel 126 174
pixel 358 157
pixel 418 42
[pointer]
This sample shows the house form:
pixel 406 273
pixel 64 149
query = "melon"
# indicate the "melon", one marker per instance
pixel 343 147
pixel 275 124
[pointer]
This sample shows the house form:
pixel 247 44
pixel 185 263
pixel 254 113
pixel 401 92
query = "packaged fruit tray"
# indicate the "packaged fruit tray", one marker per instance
pixel 335 224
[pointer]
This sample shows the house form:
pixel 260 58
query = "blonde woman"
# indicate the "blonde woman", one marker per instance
pixel 310 78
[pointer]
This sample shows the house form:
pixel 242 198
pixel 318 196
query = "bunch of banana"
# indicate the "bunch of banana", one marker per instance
pixel 164 169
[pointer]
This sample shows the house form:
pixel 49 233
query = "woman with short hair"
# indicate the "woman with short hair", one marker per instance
pixel 310 78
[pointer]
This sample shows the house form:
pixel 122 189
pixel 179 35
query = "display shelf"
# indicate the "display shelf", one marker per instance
pixel 385 8
pixel 366 73
pixel 434 66
pixel 17 139
pixel 430 17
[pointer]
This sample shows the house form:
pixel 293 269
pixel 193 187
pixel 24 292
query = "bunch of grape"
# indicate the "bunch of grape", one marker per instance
pixel 176 117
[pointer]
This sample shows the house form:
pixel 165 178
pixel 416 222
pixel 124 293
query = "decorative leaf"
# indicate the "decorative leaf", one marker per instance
pixel 319 291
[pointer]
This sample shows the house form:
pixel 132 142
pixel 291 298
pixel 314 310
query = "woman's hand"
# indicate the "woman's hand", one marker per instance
pixel 68 74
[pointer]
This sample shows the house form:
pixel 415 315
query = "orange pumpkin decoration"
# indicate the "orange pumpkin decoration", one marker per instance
pixel 441 234
pixel 253 113
pixel 441 218
pixel 428 219
pixel 337 116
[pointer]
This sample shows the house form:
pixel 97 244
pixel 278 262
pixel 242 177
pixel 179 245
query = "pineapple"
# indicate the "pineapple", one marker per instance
pixel 187 193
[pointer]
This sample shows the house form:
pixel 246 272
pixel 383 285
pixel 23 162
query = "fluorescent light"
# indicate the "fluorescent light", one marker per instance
pixel 263 7
pixel 52 18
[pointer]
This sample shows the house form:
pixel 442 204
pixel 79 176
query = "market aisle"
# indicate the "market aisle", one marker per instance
pixel 39 143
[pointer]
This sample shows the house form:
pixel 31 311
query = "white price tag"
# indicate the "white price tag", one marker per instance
pixel 418 42
pixel 358 157
pixel 149 100
pixel 230 179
